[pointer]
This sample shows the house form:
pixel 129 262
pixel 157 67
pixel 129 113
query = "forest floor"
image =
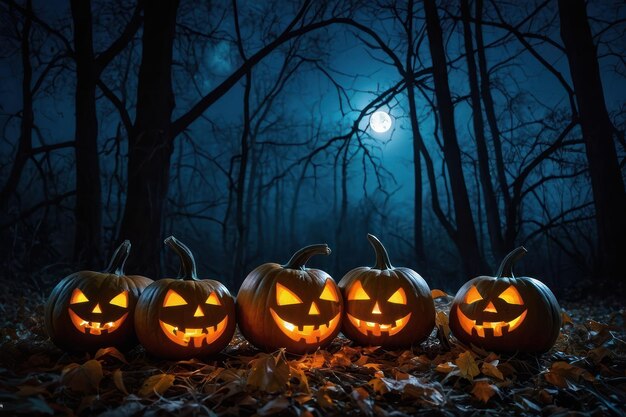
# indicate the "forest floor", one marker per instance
pixel 584 374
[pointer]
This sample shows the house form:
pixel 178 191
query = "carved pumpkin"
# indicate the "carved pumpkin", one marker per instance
pixel 386 306
pixel 506 313
pixel 89 310
pixel 185 317
pixel 290 306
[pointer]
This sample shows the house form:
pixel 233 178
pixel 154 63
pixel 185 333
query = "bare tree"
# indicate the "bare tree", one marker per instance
pixel 598 133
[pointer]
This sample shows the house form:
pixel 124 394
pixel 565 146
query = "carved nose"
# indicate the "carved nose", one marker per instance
pixel 314 310
pixel 490 308
pixel 198 312
pixel 97 309
pixel 376 309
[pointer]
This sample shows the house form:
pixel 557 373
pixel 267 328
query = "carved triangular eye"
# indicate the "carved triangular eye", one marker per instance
pixel 473 295
pixel 78 297
pixel 398 297
pixel 120 300
pixel 329 292
pixel 173 299
pixel 357 292
pixel 213 300
pixel 285 297
pixel 511 296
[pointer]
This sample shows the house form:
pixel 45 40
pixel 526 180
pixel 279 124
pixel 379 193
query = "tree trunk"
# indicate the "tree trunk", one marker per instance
pixel 25 145
pixel 490 113
pixel 606 180
pixel 491 204
pixel 418 236
pixel 87 212
pixel 465 236
pixel 150 143
pixel 242 231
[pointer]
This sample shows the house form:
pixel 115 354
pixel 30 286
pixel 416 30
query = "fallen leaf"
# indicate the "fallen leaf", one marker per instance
pixel 565 375
pixel 445 367
pixel 298 381
pixel 83 378
pixel 111 352
pixel 491 369
pixel 274 406
pixel 118 380
pixel 323 399
pixel 362 399
pixel 467 366
pixel 269 373
pixel 438 293
pixel 28 390
pixel 566 319
pixel 156 384
pixel 483 390
pixel 378 385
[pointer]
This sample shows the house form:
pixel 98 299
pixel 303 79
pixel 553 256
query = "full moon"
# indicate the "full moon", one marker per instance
pixel 380 122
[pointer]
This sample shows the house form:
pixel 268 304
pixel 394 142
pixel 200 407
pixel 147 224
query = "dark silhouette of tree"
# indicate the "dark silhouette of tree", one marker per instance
pixel 599 134
pixel 465 234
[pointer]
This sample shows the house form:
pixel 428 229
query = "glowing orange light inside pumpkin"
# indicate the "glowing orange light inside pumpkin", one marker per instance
pixel 285 297
pixel 213 300
pixel 376 309
pixel 78 297
pixel 120 300
pixel 97 309
pixel 511 296
pixel 357 292
pixel 398 297
pixel 198 312
pixel 173 299
pixel 329 293
pixel 490 308
pixel 472 295
pixel 314 311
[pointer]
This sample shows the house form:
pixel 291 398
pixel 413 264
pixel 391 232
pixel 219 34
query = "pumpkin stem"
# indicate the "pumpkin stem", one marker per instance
pixel 116 266
pixel 506 267
pixel 187 263
pixel 301 257
pixel 382 257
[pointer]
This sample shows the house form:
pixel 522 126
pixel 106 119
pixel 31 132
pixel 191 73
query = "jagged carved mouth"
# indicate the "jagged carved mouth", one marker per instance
pixel 377 329
pixel 94 327
pixel 309 333
pixel 496 328
pixel 199 336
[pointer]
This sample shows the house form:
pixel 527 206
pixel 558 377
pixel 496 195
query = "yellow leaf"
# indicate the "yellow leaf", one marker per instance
pixel 269 373
pixel 438 293
pixel 82 378
pixel 483 390
pixel 156 384
pixel 118 380
pixel 378 386
pixel 442 323
pixel 467 366
pixel 491 369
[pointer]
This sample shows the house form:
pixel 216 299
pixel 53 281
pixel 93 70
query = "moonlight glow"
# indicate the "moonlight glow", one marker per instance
pixel 380 122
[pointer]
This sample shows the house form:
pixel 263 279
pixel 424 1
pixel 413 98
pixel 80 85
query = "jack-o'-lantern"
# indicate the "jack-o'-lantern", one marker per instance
pixel 185 317
pixel 289 305
pixel 89 310
pixel 386 306
pixel 506 313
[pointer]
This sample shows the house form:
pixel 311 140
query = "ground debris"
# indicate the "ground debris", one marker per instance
pixel 584 374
